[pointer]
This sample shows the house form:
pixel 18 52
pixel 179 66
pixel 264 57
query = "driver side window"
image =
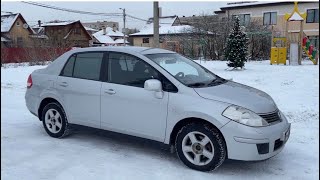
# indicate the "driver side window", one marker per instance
pixel 129 70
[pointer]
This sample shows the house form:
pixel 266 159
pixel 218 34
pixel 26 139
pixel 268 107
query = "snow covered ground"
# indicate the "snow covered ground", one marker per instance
pixel 29 153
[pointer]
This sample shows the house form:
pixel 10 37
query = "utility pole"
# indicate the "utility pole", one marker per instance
pixel 124 25
pixel 156 24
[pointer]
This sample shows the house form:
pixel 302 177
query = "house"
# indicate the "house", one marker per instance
pixel 168 26
pixel 99 25
pixel 15 32
pixel 65 34
pixel 173 36
pixel 271 14
pixel 109 37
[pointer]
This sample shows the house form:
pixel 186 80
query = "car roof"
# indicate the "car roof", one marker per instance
pixel 132 49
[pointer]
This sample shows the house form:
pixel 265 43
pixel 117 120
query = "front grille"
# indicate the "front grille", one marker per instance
pixel 277 144
pixel 271 117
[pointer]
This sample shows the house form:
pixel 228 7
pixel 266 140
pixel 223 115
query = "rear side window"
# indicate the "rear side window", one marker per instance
pixel 87 66
pixel 68 68
pixel 84 66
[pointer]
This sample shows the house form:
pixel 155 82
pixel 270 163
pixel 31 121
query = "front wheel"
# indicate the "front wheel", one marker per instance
pixel 200 147
pixel 54 120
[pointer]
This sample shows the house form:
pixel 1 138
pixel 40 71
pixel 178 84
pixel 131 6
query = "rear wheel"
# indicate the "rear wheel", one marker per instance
pixel 200 147
pixel 54 120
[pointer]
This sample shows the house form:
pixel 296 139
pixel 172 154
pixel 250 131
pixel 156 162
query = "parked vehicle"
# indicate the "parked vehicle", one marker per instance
pixel 159 95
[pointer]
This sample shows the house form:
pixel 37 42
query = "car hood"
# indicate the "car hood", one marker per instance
pixel 241 95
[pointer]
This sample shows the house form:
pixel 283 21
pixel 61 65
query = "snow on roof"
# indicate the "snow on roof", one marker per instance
pixel 253 3
pixel 165 30
pixel 120 41
pixel 3 39
pixel 7 21
pixel 66 36
pixel 109 32
pixel 59 23
pixel 296 17
pixel 103 38
pixel 90 29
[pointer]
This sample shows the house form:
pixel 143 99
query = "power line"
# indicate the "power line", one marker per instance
pixel 115 15
pixel 71 10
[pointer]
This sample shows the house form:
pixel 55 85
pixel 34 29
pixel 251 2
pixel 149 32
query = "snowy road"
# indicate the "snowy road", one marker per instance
pixel 28 153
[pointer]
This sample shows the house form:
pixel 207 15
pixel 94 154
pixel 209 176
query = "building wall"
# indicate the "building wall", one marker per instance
pixel 257 13
pixel 17 31
pixel 57 36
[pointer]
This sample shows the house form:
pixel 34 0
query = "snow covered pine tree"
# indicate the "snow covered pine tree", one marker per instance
pixel 237 46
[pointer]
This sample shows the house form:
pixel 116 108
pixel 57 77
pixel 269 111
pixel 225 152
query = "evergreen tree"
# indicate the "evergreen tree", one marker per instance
pixel 237 46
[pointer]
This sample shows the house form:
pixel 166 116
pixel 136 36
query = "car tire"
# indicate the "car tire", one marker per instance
pixel 200 147
pixel 54 120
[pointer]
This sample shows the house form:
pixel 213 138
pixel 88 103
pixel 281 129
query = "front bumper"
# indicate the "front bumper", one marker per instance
pixel 255 143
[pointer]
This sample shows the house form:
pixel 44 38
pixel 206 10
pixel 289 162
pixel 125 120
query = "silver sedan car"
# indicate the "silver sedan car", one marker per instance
pixel 159 95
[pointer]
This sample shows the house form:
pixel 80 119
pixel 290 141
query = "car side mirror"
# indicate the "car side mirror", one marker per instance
pixel 153 85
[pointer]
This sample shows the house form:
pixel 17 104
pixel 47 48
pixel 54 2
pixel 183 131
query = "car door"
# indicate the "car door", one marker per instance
pixel 126 106
pixel 79 85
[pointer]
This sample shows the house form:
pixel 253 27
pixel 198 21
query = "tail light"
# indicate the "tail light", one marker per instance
pixel 29 82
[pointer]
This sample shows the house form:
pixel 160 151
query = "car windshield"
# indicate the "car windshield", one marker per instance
pixel 185 70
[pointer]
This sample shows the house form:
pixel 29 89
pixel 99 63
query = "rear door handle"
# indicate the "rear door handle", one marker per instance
pixel 64 84
pixel 109 91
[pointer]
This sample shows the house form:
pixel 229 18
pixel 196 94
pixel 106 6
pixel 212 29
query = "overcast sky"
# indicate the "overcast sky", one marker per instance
pixel 139 9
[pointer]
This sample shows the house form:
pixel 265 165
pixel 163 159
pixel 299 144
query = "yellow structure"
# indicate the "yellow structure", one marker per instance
pixel 278 51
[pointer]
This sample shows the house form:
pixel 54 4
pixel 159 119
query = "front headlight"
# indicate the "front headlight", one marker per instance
pixel 244 116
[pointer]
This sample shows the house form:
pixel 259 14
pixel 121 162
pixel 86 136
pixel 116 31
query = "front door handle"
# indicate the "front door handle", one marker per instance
pixel 64 84
pixel 109 91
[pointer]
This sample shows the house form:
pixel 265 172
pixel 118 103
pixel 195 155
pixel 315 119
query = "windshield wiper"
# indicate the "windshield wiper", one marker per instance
pixel 217 81
pixel 197 84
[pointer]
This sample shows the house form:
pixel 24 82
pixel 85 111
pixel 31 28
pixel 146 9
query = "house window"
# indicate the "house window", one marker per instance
pixel 314 40
pixel 145 40
pixel 77 31
pixel 270 18
pixel 18 23
pixel 313 16
pixel 19 41
pixel 244 19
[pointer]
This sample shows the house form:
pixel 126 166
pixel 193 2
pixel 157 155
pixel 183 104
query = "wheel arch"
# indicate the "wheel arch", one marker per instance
pixel 46 101
pixel 178 126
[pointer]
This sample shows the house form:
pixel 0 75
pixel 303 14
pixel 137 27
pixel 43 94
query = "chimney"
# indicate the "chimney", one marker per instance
pixel 39 23
pixel 104 30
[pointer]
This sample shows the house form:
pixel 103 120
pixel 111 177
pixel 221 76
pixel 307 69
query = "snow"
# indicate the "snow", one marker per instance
pixel 3 39
pixel 90 29
pixel 120 41
pixel 108 37
pixel 59 23
pixel 7 21
pixel 253 3
pixel 296 17
pixel 165 30
pixel 109 32
pixel 27 152
pixel 104 39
